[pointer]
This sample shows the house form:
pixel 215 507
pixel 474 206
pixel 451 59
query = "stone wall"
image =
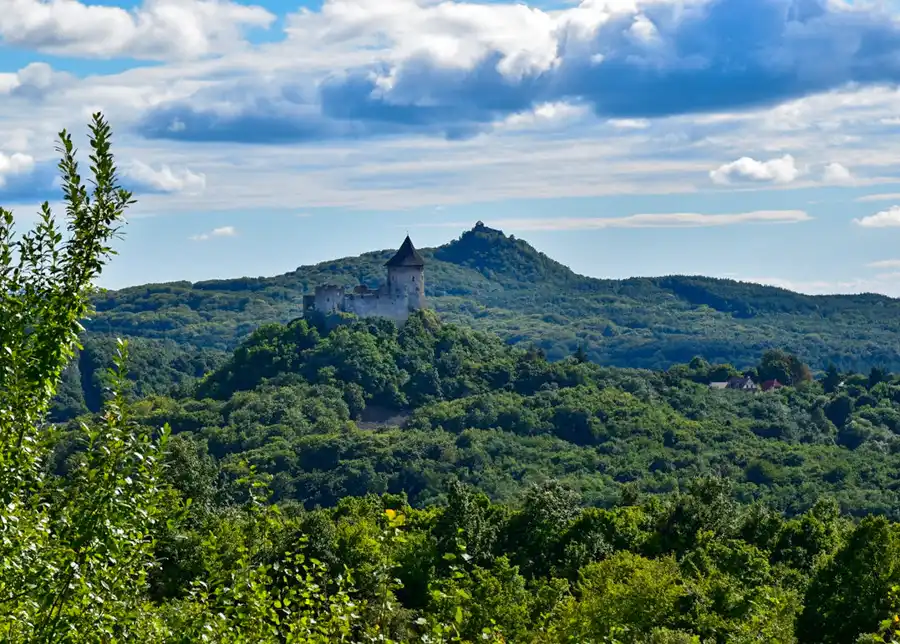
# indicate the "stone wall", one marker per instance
pixel 329 298
pixel 378 304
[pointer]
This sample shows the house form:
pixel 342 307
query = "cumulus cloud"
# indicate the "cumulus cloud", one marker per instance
pixel 33 81
pixel 165 179
pixel 656 220
pixel 14 165
pixel 451 68
pixel 885 219
pixel 781 170
pixel 157 29
pixel 26 180
pixel 836 173
pixel 224 231
pixel 548 113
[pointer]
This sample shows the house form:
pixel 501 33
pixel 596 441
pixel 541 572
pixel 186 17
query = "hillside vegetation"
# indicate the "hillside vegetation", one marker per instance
pixel 486 493
pixel 366 408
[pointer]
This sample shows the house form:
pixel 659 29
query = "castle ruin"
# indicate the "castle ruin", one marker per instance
pixel 403 293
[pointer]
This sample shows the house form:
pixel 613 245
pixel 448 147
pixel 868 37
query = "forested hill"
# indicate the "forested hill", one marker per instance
pixel 491 281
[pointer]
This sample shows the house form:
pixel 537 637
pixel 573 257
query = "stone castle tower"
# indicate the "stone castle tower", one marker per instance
pixel 406 274
pixel 403 292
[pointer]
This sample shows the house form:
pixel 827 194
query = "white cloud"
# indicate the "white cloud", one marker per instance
pixel 34 81
pixel 836 173
pixel 656 220
pixel 781 170
pixel 887 196
pixel 885 263
pixel 224 231
pixel 452 34
pixel 889 218
pixel 629 124
pixel 157 29
pixel 166 179
pixel 13 165
pixel 545 114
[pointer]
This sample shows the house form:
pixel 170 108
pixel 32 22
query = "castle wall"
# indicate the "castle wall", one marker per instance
pixel 329 299
pixel 378 305
pixel 403 293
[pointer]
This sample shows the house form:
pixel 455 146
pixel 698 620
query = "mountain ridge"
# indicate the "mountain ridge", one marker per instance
pixel 496 282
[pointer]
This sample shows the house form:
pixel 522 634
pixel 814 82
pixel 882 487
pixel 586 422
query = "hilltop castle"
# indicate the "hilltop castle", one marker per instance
pixel 403 292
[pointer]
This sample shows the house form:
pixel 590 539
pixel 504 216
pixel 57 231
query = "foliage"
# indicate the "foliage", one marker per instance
pixel 75 550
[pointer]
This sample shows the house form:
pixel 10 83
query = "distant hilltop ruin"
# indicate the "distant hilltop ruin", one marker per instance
pixel 403 293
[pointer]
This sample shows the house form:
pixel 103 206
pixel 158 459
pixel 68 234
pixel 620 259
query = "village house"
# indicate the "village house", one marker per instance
pixel 741 383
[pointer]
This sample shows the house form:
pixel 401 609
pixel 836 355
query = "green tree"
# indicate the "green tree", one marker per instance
pixel 832 379
pixel 75 551
pixel 877 375
pixel 852 593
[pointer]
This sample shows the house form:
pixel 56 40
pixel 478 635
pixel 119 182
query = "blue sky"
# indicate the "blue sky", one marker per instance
pixel 751 139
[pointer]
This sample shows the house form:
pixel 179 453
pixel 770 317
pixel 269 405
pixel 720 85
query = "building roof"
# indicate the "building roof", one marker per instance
pixel 406 256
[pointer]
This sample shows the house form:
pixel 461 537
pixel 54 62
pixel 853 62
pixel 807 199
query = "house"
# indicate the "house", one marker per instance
pixel 769 385
pixel 742 383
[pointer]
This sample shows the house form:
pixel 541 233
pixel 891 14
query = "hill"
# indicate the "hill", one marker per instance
pixel 494 282
pixel 365 407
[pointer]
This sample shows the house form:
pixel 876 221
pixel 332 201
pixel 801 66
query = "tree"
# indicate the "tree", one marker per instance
pixel 580 354
pixel 831 380
pixel 877 375
pixel 75 551
pixel 784 367
pixel 839 410
pixel 852 593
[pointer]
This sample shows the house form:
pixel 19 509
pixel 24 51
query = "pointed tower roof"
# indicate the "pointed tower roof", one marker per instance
pixel 406 256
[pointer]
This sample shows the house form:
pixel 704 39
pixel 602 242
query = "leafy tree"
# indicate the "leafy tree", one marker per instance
pixel 877 375
pixel 852 593
pixel 831 380
pixel 75 551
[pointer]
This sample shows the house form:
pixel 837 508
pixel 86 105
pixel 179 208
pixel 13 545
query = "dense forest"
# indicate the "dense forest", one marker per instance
pixel 342 480
pixel 434 483
pixel 344 407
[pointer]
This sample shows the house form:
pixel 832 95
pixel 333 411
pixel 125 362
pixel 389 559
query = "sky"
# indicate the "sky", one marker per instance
pixel 747 139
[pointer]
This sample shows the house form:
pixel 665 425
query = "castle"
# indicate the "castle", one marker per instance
pixel 403 292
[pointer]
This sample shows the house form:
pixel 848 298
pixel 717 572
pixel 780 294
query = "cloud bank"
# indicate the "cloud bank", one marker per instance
pixel 455 69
